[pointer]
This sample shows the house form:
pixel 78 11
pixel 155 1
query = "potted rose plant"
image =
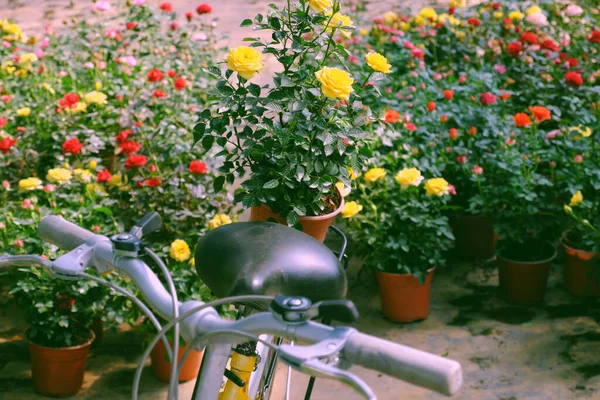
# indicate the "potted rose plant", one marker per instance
pixel 299 136
pixel 398 224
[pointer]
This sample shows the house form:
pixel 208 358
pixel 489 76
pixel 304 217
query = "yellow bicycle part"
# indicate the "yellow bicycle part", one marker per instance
pixel 242 366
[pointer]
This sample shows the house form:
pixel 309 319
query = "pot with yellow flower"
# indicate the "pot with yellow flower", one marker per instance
pixel 400 231
pixel 293 140
pixel 581 245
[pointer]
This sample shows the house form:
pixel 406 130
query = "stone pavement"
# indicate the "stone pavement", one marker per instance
pixel 544 353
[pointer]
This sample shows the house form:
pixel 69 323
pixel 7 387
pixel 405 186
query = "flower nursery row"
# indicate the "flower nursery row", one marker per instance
pixel 455 126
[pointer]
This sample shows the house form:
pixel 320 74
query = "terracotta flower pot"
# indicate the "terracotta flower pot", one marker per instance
pixel 525 282
pixel 403 297
pixel 579 277
pixel 313 226
pixel 161 367
pixel 474 236
pixel 58 372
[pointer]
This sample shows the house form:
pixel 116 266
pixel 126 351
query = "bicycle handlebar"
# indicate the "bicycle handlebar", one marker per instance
pixel 62 233
pixel 414 366
pixel 420 368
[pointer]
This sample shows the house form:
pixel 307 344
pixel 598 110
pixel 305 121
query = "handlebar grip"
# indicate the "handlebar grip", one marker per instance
pixel 410 365
pixel 64 234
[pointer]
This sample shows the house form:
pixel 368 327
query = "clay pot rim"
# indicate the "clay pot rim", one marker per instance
pixel 377 271
pixel 563 241
pixel 79 346
pixel 550 259
pixel 318 217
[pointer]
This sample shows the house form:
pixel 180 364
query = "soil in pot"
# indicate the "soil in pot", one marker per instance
pixel 161 367
pixel 58 372
pixel 403 297
pixel 313 226
pixel 524 270
pixel 580 266
pixel 474 236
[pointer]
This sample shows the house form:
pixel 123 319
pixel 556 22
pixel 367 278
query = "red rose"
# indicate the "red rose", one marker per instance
pixel 474 22
pixel 174 26
pixel 417 53
pixel 72 146
pixel 152 182
pixel 573 62
pixel 487 98
pixel 166 7
pixel 529 37
pixel 3 121
pixel 122 136
pixel 171 73
pixel 496 6
pixel 514 49
pixel 155 75
pixel 189 16
pixel 549 44
pixel 203 9
pixel 197 167
pixel 444 118
pixel 594 37
pixel 69 100
pixel 431 106
pixel 461 159
pixel 180 83
pixel 159 94
pixel 131 25
pixel 103 176
pixel 152 167
pixel 473 131
pixel 573 79
pixel 136 160
pixel 130 147
pixel 392 116
pixel 453 133
pixel 449 94
pixel 6 144
pixel 411 127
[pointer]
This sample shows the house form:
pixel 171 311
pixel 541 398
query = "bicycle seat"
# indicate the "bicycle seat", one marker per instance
pixel 266 258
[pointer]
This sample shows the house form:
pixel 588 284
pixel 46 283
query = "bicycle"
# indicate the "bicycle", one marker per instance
pixel 329 350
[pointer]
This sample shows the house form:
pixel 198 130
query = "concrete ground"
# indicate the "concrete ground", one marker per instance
pixel 507 352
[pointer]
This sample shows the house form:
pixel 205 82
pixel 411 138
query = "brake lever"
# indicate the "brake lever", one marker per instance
pixel 319 359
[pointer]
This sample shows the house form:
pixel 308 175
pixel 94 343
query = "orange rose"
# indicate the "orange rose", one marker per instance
pixel 540 113
pixel 392 116
pixel 522 119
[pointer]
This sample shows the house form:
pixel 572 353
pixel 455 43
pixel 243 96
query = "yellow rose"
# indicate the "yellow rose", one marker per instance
pixel 95 189
pixel 340 21
pixel 460 35
pixel 458 3
pixel 179 250
pixel 343 189
pixel 59 175
pixel 95 98
pixel 390 17
pixel 46 86
pixel 8 67
pixel 446 17
pixel 13 31
pixel 364 32
pixel 374 174
pixel 409 177
pixel 428 13
pixel 516 15
pixel 246 61
pixel 320 5
pixel 352 173
pixel 82 175
pixel 27 58
pixel 498 15
pixel 568 209
pixel 420 20
pixel 583 133
pixel 192 262
pixel 350 209
pixel 98 85
pixel 335 83
pixel 378 62
pixel 30 184
pixel 533 10
pixel 24 112
pixel 93 164
pixel 115 180
pixel 218 220
pixel 404 26
pixel 437 187
pixel 80 106
pixel 577 199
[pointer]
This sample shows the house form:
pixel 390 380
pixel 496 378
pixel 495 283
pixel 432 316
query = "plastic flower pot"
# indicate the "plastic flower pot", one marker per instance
pixel 579 271
pixel 161 367
pixel 474 236
pixel 403 297
pixel 524 270
pixel 313 226
pixel 58 372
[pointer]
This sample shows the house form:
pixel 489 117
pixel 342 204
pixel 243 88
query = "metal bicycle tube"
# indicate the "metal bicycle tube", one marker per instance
pixel 210 377
pixel 261 381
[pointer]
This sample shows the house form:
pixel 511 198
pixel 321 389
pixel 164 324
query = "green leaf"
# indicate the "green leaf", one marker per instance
pixel 213 71
pixel 272 184
pixel 198 132
pixel 104 210
pixel 218 183
pixel 246 22
pixel 224 89
pixel 292 218
pixel 207 142
pixel 254 90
